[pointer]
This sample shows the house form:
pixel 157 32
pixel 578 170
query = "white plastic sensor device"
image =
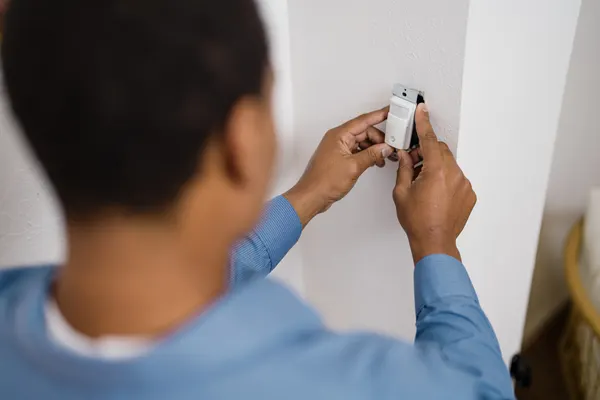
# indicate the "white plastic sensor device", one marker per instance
pixel 401 132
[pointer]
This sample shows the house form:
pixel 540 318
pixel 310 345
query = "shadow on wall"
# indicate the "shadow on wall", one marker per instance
pixel 575 168
pixel 550 290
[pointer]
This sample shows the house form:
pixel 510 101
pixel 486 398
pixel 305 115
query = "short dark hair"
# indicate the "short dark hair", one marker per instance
pixel 119 97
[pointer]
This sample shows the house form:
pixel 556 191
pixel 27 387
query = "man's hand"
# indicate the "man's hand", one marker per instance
pixel 343 155
pixel 434 208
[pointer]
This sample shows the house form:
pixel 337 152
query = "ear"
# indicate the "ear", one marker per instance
pixel 242 139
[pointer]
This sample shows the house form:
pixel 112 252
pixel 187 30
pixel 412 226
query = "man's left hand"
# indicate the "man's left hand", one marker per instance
pixel 343 155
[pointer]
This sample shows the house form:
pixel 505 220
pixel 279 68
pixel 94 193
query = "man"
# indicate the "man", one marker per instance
pixel 153 121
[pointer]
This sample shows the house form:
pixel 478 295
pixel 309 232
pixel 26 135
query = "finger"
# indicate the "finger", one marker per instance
pixel 365 145
pixel 370 137
pixel 446 150
pixel 375 135
pixel 372 134
pixel 414 155
pixel 374 155
pixel 418 171
pixel 429 142
pixel 360 124
pixel 406 171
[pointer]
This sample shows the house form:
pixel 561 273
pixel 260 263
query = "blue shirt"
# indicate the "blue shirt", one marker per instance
pixel 261 342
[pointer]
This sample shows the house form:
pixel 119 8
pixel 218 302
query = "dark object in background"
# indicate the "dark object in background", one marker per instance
pixel 521 372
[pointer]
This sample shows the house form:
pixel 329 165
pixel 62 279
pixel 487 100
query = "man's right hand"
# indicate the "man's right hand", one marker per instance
pixel 433 208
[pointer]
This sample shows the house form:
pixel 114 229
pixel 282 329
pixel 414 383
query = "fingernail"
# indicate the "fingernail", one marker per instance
pixel 424 108
pixel 386 152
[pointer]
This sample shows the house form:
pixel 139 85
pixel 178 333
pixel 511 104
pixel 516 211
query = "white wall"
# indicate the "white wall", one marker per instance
pixel 517 56
pixel 346 56
pixel 275 16
pixel 30 227
pixel 575 167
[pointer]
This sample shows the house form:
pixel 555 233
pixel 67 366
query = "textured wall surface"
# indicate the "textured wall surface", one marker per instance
pixel 506 144
pixel 30 227
pixel 346 55
pixel 275 15
pixel 575 168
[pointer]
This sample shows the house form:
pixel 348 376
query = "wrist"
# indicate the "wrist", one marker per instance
pixel 305 202
pixel 427 247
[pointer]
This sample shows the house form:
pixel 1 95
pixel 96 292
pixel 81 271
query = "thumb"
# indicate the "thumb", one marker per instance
pixel 406 171
pixel 371 156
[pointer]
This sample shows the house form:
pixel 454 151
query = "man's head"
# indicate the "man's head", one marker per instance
pixel 145 107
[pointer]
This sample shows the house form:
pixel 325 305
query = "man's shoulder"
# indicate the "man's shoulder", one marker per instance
pixel 16 283
pixel 11 278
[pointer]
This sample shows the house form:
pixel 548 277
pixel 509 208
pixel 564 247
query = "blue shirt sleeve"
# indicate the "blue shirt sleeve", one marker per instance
pixel 451 323
pixel 261 250
pixel 455 354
